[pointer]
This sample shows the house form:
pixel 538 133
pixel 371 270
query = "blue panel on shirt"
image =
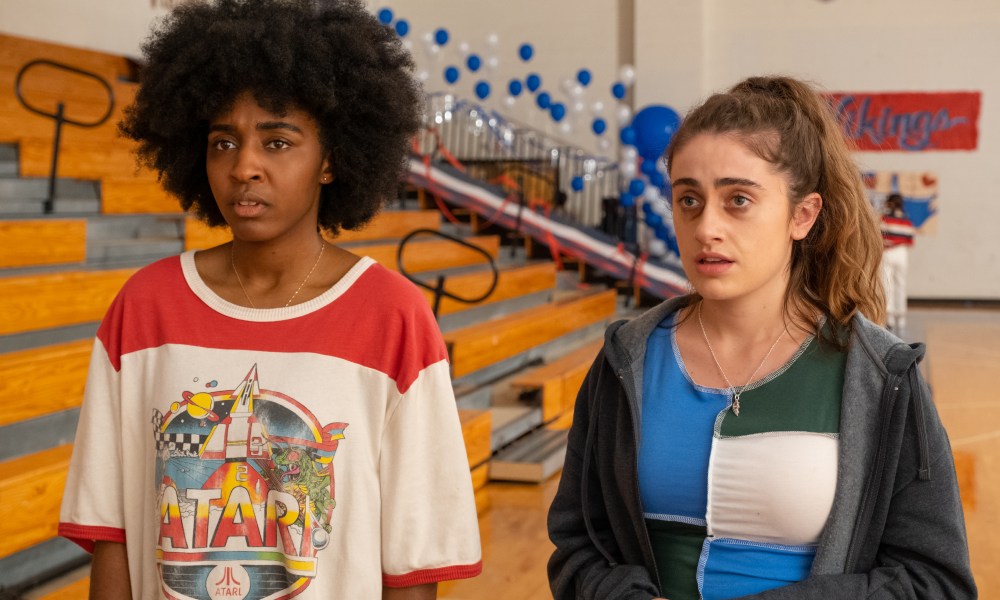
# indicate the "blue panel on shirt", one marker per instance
pixel 735 568
pixel 678 419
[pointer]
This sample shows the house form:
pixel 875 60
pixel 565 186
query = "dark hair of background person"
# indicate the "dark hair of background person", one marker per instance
pixel 330 58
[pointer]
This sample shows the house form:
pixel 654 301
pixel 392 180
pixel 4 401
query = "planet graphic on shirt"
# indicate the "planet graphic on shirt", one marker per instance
pixel 200 406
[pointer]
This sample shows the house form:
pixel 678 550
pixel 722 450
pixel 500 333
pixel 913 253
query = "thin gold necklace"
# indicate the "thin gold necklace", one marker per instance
pixel 736 392
pixel 232 260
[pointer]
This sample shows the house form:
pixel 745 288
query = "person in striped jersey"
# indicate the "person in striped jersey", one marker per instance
pixel 761 437
pixel 897 237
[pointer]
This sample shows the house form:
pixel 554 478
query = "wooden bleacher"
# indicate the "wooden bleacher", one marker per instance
pixel 34 302
pixel 559 381
pixel 481 345
pixel 33 242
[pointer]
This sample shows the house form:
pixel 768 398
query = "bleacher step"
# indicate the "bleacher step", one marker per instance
pixel 100 252
pixel 62 207
pixel 35 188
pixel 533 458
pixel 512 422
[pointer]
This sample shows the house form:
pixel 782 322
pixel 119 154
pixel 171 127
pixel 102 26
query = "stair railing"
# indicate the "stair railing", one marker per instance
pixel 438 287
pixel 60 117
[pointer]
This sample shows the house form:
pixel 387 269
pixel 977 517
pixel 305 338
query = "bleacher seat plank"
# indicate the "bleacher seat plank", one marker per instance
pixel 16 51
pixel 385 225
pixel 42 242
pixel 82 160
pixel 78 590
pixel 33 302
pixel 477 346
pixel 129 195
pixel 480 477
pixel 43 380
pixel 392 224
pixel 476 431
pixel 31 489
pixel 512 283
pixel 559 380
pixel 431 255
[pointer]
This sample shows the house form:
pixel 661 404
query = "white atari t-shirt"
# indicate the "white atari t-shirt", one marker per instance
pixel 312 451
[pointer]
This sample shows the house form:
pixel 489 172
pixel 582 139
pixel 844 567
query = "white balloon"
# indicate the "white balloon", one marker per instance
pixel 628 169
pixel 428 38
pixel 579 106
pixel 624 113
pixel 576 91
pixel 566 85
pixel 434 52
pixel 423 75
pixel 598 107
pixel 566 127
pixel 493 39
pixel 651 193
pixel 408 44
pixel 492 63
pixel 656 247
pixel 660 208
pixel 627 74
pixel 604 144
pixel 510 101
pixel 630 153
pixel 463 48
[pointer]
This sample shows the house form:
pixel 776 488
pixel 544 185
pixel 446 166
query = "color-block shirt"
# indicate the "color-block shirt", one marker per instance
pixel 311 451
pixel 736 505
pixel 897 230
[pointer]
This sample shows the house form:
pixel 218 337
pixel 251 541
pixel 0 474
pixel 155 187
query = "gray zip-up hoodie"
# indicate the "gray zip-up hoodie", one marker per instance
pixel 896 528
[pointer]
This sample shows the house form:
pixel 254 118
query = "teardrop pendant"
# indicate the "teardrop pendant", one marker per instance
pixel 736 404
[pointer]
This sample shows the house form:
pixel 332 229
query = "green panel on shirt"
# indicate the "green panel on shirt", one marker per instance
pixel 677 548
pixel 806 397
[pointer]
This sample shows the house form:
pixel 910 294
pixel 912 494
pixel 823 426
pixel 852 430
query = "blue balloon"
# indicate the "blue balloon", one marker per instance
pixel 618 90
pixel 653 219
pixel 627 136
pixel 627 200
pixel 577 184
pixel 441 36
pixel 647 208
pixel 526 51
pixel 544 100
pixel 533 81
pixel 451 74
pixel 385 16
pixel 515 88
pixel 657 179
pixel 583 76
pixel 654 126
pixel 648 167
pixel 483 90
pixel 402 27
pixel 636 186
pixel 599 126
pixel 473 62
pixel 558 111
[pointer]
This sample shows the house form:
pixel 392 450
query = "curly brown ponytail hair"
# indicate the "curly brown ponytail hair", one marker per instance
pixel 834 269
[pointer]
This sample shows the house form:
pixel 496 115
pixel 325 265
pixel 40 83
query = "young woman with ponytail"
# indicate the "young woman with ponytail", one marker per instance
pixel 762 437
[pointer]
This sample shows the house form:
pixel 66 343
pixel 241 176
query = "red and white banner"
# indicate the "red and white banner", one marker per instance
pixel 909 121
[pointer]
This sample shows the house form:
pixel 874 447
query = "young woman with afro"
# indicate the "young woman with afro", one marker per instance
pixel 229 386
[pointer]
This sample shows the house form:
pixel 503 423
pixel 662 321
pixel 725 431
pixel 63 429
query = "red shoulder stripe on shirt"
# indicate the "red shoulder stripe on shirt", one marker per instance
pixel 432 575
pixel 85 536
pixel 380 322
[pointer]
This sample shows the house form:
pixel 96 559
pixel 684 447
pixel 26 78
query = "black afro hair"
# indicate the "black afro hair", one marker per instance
pixel 330 58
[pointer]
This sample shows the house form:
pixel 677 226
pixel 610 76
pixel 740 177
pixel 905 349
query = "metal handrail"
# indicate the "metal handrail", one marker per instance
pixel 438 287
pixel 59 115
